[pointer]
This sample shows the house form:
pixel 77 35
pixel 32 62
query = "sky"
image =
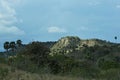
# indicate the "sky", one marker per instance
pixel 49 20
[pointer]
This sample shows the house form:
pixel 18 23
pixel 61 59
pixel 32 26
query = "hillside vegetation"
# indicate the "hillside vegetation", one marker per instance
pixel 70 58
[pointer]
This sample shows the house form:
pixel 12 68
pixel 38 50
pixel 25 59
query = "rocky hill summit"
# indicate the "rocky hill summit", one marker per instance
pixel 70 44
pixel 65 45
pixel 69 41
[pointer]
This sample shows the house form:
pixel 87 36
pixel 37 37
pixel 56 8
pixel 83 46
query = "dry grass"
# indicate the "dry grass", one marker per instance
pixel 23 75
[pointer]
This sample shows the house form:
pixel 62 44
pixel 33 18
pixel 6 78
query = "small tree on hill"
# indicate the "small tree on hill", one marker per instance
pixel 115 38
pixel 6 46
pixel 12 45
pixel 37 52
pixel 19 42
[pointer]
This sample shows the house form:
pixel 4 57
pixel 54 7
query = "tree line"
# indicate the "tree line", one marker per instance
pixel 12 45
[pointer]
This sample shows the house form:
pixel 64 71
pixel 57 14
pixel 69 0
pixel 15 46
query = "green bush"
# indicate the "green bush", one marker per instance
pixel 37 52
pixel 3 73
pixel 3 60
pixel 61 64
pixel 105 63
pixel 30 59
pixel 54 66
pixel 22 62
pixel 111 74
pixel 85 69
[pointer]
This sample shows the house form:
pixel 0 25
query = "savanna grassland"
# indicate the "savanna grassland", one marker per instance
pixel 69 58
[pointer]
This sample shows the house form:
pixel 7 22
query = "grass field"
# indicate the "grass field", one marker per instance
pixel 15 74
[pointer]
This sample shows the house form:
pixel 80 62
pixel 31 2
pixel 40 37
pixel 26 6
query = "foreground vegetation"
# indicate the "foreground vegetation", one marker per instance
pixel 68 59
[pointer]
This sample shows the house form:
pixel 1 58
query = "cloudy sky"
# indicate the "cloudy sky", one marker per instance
pixel 48 20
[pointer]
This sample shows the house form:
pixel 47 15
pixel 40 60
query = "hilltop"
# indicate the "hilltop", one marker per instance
pixel 70 44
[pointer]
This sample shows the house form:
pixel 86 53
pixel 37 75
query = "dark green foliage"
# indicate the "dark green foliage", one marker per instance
pixel 36 52
pixel 88 54
pixel 111 74
pixel 95 52
pixel 93 59
pixel 3 73
pixel 117 59
pixel 108 65
pixel 85 69
pixel 2 60
pixel 6 46
pixel 23 63
pixel 108 62
pixel 19 43
pixel 31 58
pixel 54 66
pixel 61 64
pixel 12 45
pixel 115 37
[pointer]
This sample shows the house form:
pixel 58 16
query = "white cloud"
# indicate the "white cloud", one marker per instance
pixel 55 29
pixel 83 28
pixel 8 17
pixel 94 3
pixel 11 30
pixel 86 28
pixel 13 2
pixel 7 8
pixel 118 6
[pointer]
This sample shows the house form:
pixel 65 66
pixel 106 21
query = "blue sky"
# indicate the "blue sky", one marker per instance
pixel 49 20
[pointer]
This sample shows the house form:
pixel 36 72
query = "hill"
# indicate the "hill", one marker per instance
pixel 71 44
pixel 69 56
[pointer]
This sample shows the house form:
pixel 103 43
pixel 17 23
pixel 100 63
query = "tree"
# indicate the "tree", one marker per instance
pixel 37 52
pixel 12 45
pixel 6 45
pixel 19 42
pixel 115 37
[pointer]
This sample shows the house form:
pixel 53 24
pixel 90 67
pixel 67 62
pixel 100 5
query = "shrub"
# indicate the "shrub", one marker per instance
pixel 3 73
pixel 37 52
pixel 105 63
pixel 61 64
pixel 85 69
pixel 111 74
pixel 3 60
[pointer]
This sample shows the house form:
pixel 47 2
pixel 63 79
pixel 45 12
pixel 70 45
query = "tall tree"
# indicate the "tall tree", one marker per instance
pixel 115 38
pixel 19 42
pixel 37 52
pixel 12 45
pixel 6 45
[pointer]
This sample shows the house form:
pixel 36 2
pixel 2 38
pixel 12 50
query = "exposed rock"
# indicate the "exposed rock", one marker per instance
pixel 70 44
